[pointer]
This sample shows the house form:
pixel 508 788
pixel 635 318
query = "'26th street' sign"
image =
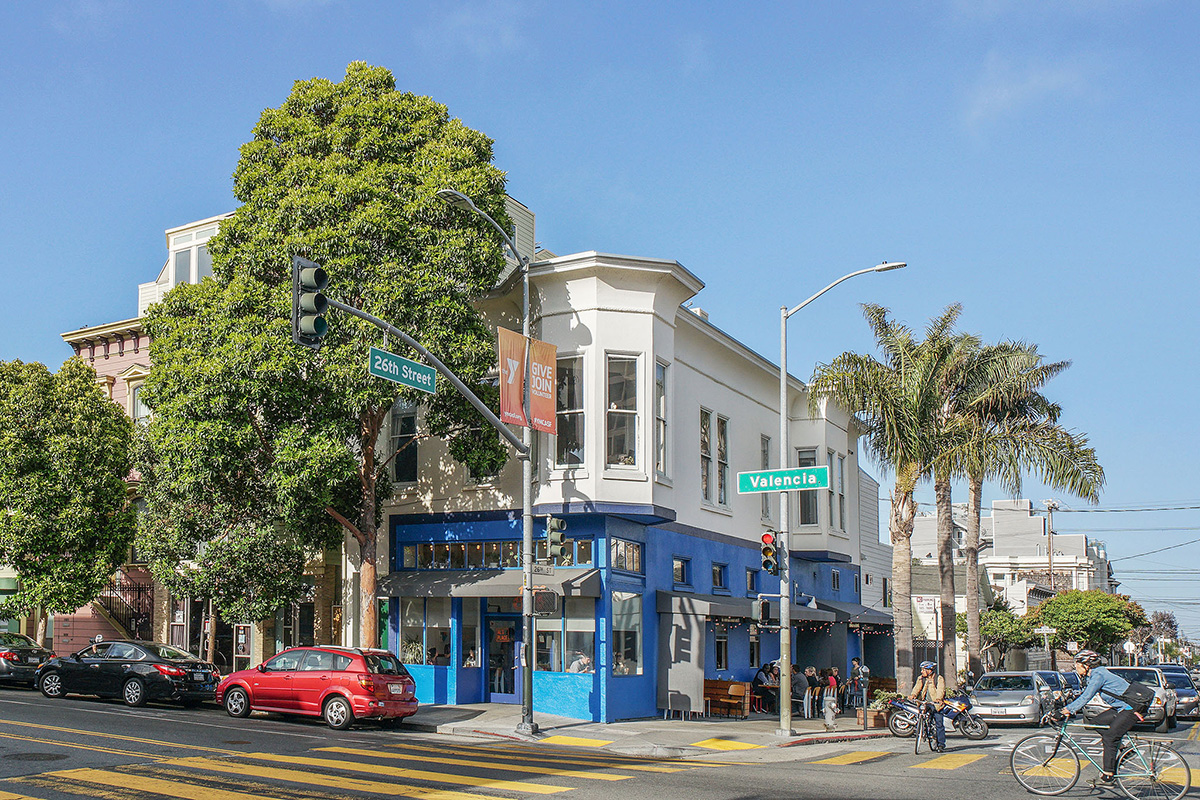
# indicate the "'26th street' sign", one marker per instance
pixel 783 480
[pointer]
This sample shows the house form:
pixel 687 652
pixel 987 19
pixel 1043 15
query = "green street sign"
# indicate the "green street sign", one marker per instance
pixel 783 480
pixel 412 374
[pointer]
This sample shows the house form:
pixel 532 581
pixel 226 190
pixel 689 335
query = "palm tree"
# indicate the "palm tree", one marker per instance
pixel 1003 428
pixel 898 400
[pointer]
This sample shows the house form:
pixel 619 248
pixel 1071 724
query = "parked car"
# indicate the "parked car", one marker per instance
pixel 1054 680
pixel 132 670
pixel 1073 685
pixel 1162 710
pixel 1012 697
pixel 339 684
pixel 1187 699
pixel 20 657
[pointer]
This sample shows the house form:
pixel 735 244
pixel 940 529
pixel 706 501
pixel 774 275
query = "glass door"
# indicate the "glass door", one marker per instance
pixel 503 659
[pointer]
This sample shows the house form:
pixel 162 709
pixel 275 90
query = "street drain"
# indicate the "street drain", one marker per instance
pixel 35 756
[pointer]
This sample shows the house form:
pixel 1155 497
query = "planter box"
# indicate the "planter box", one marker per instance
pixel 875 719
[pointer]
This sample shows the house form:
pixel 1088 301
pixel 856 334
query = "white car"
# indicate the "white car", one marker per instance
pixel 1161 712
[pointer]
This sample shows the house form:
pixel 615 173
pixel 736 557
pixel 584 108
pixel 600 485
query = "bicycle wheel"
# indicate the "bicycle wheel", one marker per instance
pixel 919 733
pixel 1153 770
pixel 1044 764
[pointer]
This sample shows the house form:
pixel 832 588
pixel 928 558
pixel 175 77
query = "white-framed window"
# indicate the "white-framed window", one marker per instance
pixel 706 465
pixel 190 260
pixel 764 462
pixel 831 492
pixel 661 463
pixel 807 457
pixel 621 417
pixel 139 410
pixel 714 458
pixel 404 442
pixel 841 492
pixel 569 449
pixel 835 580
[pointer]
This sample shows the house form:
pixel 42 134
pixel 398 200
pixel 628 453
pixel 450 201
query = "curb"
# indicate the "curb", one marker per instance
pixel 846 737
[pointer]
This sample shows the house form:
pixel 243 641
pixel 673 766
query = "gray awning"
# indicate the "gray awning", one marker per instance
pixel 568 581
pixel 711 605
pixel 853 612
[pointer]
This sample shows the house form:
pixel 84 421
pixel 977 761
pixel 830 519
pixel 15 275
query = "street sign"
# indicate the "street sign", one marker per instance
pixel 1129 646
pixel 1045 630
pixel 543 569
pixel 783 480
pixel 412 374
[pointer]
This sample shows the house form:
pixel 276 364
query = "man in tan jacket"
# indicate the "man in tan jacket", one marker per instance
pixel 931 690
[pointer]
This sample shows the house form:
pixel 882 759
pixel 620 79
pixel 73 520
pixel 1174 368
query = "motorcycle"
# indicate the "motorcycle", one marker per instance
pixel 902 717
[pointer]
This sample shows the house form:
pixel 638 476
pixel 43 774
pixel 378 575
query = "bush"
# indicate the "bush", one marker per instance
pixel 882 698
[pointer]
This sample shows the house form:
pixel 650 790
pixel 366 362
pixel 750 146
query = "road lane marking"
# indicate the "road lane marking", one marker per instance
pixel 726 744
pixel 950 761
pixel 411 774
pixel 10 796
pixel 159 786
pixel 94 748
pixel 1055 768
pixel 575 741
pixel 108 735
pixel 462 762
pixel 857 757
pixel 341 782
pixel 584 761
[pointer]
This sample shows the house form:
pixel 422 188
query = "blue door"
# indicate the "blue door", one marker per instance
pixel 503 659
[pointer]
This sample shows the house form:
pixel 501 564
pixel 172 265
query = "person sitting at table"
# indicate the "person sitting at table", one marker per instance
pixel 765 685
pixel 582 663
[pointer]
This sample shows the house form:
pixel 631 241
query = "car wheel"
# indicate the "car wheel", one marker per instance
pixel 1173 722
pixel 237 703
pixel 1164 726
pixel 52 685
pixel 338 714
pixel 133 693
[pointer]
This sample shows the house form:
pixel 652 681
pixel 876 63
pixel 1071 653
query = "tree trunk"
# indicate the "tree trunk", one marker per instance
pixel 368 606
pixel 41 628
pixel 974 514
pixel 900 527
pixel 212 632
pixel 945 551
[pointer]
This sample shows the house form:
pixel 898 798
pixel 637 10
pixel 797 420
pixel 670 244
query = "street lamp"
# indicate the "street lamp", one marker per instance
pixel 527 725
pixel 785 559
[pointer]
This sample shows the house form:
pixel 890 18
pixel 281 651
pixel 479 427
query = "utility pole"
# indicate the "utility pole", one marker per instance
pixel 1051 507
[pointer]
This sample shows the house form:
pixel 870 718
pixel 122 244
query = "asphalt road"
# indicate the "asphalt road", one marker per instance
pixel 87 748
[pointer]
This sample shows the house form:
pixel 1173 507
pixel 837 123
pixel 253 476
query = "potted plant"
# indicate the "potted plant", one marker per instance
pixel 877 710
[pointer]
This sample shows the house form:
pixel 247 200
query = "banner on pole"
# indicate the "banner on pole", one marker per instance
pixel 542 364
pixel 511 350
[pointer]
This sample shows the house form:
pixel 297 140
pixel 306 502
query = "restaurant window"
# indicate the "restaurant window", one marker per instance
pixel 412 630
pixel 626 556
pixel 621 420
pixel 437 631
pixel 754 648
pixel 721 643
pixel 627 633
pixel 579 633
pixel 470 632
pixel 568 450
pixel 547 635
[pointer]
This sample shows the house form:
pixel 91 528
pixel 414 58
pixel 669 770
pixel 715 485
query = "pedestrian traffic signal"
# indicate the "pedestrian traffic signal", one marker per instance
pixel 770 558
pixel 764 612
pixel 309 304
pixel 556 537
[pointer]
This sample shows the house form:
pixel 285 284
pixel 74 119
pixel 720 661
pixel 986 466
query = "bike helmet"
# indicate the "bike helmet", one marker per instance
pixel 1089 658
pixel 929 665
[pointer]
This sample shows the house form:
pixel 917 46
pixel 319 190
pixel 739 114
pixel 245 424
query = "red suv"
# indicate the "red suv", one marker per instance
pixel 340 684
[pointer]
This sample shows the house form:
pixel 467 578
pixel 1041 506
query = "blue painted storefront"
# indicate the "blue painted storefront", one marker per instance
pixel 604 695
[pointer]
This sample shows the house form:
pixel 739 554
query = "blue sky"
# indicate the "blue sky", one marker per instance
pixel 1037 162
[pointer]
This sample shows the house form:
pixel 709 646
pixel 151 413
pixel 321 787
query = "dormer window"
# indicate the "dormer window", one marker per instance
pixel 190 259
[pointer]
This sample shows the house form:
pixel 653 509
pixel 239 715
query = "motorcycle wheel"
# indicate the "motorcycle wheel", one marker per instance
pixel 971 727
pixel 901 725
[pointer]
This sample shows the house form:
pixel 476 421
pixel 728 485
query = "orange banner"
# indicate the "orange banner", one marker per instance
pixel 511 349
pixel 541 386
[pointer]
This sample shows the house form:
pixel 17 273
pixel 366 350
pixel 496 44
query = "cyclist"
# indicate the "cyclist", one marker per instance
pixel 931 690
pixel 1120 718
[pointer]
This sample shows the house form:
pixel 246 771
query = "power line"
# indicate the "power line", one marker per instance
pixel 1151 552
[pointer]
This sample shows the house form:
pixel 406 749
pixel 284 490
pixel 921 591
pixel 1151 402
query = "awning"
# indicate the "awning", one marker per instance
pixel 711 605
pixel 853 612
pixel 570 582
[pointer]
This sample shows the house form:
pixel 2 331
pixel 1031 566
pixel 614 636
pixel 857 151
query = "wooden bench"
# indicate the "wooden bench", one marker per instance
pixel 729 698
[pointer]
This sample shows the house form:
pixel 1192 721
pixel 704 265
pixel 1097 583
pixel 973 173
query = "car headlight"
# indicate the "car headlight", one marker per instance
pixel 1158 701
pixel 1028 700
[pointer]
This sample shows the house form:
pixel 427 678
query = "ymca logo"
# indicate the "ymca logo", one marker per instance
pixel 513 364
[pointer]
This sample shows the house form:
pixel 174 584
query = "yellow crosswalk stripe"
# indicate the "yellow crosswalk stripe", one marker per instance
pixel 857 757
pixel 578 760
pixel 1055 768
pixel 576 741
pixel 95 748
pixel 411 774
pixel 10 796
pixel 462 762
pixel 112 736
pixel 1176 775
pixel 317 779
pixel 950 761
pixel 726 744
pixel 159 786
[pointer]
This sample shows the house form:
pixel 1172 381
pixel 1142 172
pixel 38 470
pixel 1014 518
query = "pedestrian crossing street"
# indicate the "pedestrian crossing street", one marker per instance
pixel 414 770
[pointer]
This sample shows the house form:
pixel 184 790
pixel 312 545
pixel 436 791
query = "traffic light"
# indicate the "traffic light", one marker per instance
pixel 308 302
pixel 770 559
pixel 764 612
pixel 556 537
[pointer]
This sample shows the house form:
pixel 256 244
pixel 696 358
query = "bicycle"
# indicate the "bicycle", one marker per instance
pixel 1048 764
pixel 924 730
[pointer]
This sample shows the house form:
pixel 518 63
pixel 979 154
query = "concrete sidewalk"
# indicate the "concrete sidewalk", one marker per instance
pixel 643 737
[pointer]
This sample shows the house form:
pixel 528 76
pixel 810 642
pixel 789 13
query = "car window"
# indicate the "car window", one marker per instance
pixel 384 664
pixel 1146 676
pixel 285 661
pixel 341 662
pixel 1051 679
pixel 120 651
pixel 16 640
pixel 95 651
pixel 1000 683
pixel 1177 680
pixel 168 652
pixel 317 660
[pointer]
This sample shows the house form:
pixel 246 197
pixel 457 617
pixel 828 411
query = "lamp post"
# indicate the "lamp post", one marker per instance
pixel 527 725
pixel 785 580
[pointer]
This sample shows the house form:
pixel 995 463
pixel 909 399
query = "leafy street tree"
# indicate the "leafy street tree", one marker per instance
pixel 898 399
pixel 268 437
pixel 999 628
pixel 1093 618
pixel 65 520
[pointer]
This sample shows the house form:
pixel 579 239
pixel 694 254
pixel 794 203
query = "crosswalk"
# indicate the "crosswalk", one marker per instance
pixel 419 770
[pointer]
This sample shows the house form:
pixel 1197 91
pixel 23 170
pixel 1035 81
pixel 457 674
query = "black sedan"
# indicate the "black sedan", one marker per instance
pixel 20 657
pixel 134 671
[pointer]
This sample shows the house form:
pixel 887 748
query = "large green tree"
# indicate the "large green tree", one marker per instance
pixel 1093 618
pixel 999 628
pixel 65 520
pixel 344 174
pixel 899 398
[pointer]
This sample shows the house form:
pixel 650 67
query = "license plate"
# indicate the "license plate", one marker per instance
pixel 1000 712
pixel 33 660
pixel 396 688
pixel 199 676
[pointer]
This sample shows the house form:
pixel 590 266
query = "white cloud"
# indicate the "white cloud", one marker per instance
pixel 1005 90
pixel 484 28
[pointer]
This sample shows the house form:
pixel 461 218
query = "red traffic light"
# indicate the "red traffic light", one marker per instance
pixel 768 538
